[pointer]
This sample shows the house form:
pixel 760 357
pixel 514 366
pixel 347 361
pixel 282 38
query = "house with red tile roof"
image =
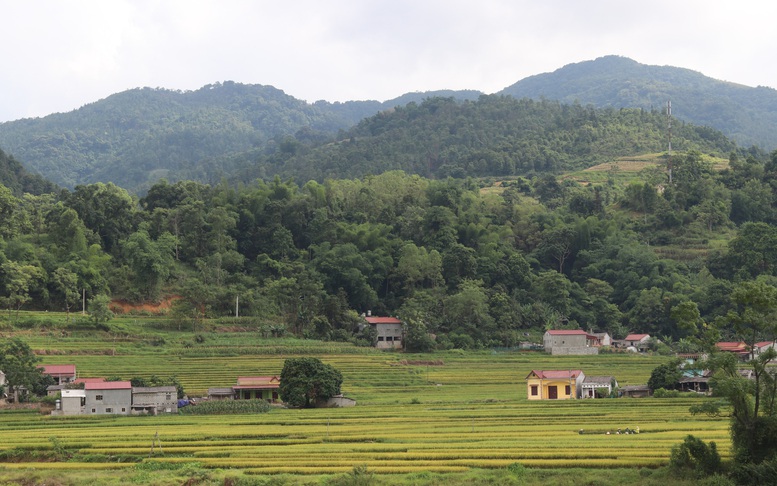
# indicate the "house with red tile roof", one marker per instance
pixel 257 387
pixel 736 347
pixel 389 330
pixel 640 342
pixel 568 341
pixel 62 374
pixel 554 384
pixel 762 346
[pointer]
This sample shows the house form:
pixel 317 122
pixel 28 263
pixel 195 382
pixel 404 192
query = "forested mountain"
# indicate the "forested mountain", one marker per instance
pixel 135 137
pixel 493 136
pixel 475 265
pixel 14 177
pixel 745 114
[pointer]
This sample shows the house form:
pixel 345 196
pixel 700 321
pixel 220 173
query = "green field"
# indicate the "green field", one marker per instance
pixel 463 419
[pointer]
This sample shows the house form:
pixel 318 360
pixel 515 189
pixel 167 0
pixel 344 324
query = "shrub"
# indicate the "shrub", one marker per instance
pixel 695 457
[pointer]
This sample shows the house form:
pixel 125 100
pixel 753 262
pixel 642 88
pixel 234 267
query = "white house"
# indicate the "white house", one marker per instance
pixel 389 330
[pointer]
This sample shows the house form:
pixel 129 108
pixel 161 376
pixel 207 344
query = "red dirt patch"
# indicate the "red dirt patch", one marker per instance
pixel 154 308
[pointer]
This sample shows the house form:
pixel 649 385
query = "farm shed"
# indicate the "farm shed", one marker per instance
pixel 257 387
pixel 603 384
pixel 567 341
pixel 554 384
pixel 389 330
pixel 109 397
pixel 634 391
pixel 221 393
pixel 154 399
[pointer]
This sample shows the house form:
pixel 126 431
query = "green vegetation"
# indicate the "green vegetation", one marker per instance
pixel 307 381
pixel 743 113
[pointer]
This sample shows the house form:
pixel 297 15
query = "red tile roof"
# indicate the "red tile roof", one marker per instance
pixel 555 374
pixel 89 380
pixel 108 385
pixel 733 347
pixel 762 344
pixel 69 369
pixel 383 320
pixel 636 337
pixel 257 382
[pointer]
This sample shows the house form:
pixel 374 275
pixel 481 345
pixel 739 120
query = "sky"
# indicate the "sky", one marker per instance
pixel 59 55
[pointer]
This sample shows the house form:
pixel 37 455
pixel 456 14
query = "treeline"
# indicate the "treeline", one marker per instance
pixel 472 263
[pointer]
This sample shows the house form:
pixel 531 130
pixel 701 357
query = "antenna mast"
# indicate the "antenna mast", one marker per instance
pixel 669 129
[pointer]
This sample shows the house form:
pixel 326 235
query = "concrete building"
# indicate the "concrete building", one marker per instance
pixel 154 399
pixel 389 330
pixel 110 397
pixel 566 341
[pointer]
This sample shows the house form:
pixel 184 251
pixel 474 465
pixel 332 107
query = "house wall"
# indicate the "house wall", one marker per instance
pixel 564 342
pixel 268 395
pixel 113 402
pixel 543 389
pixel 71 406
pixel 389 336
pixel 577 350
pixel 161 401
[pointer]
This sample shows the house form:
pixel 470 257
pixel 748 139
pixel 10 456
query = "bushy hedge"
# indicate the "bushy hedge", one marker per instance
pixel 226 407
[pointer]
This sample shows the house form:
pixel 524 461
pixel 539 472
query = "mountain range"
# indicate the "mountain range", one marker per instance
pixel 222 130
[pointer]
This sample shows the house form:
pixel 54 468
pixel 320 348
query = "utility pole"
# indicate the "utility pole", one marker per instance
pixel 83 302
pixel 237 306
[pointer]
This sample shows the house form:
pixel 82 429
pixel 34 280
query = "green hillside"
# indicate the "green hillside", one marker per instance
pixel 745 114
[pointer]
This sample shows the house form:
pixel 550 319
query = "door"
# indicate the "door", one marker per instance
pixel 552 392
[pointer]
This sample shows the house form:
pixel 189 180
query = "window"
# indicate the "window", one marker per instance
pixel 123 409
pixel 567 389
pixel 93 410
pixel 108 410
pixel 98 397
pixel 380 338
pixel 168 397
pixel 534 390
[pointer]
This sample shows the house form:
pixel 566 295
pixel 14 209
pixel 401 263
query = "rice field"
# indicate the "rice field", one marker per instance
pixel 461 412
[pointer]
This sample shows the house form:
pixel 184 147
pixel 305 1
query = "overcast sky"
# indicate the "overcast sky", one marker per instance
pixel 60 55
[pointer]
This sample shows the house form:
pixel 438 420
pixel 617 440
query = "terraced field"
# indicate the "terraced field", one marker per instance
pixel 461 412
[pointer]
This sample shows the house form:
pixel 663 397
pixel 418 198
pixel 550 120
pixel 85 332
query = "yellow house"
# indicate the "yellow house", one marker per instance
pixel 554 384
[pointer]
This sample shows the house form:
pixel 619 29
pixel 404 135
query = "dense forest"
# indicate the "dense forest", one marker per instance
pixel 136 137
pixel 240 132
pixel 472 262
pixel 745 114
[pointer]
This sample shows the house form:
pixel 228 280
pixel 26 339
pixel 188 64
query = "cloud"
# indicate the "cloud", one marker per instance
pixel 61 55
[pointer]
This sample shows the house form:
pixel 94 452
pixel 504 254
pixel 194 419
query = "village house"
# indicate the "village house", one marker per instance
pixel 604 338
pixel 389 331
pixel 640 342
pixel 257 387
pixel 62 374
pixel 761 347
pixel 153 400
pixel 740 349
pixel 565 341
pixel 554 384
pixel 697 381
pixel 108 397
pixel 601 386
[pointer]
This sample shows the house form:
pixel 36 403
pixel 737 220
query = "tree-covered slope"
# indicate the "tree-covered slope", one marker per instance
pixel 745 114
pixel 18 180
pixel 493 136
pixel 135 137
